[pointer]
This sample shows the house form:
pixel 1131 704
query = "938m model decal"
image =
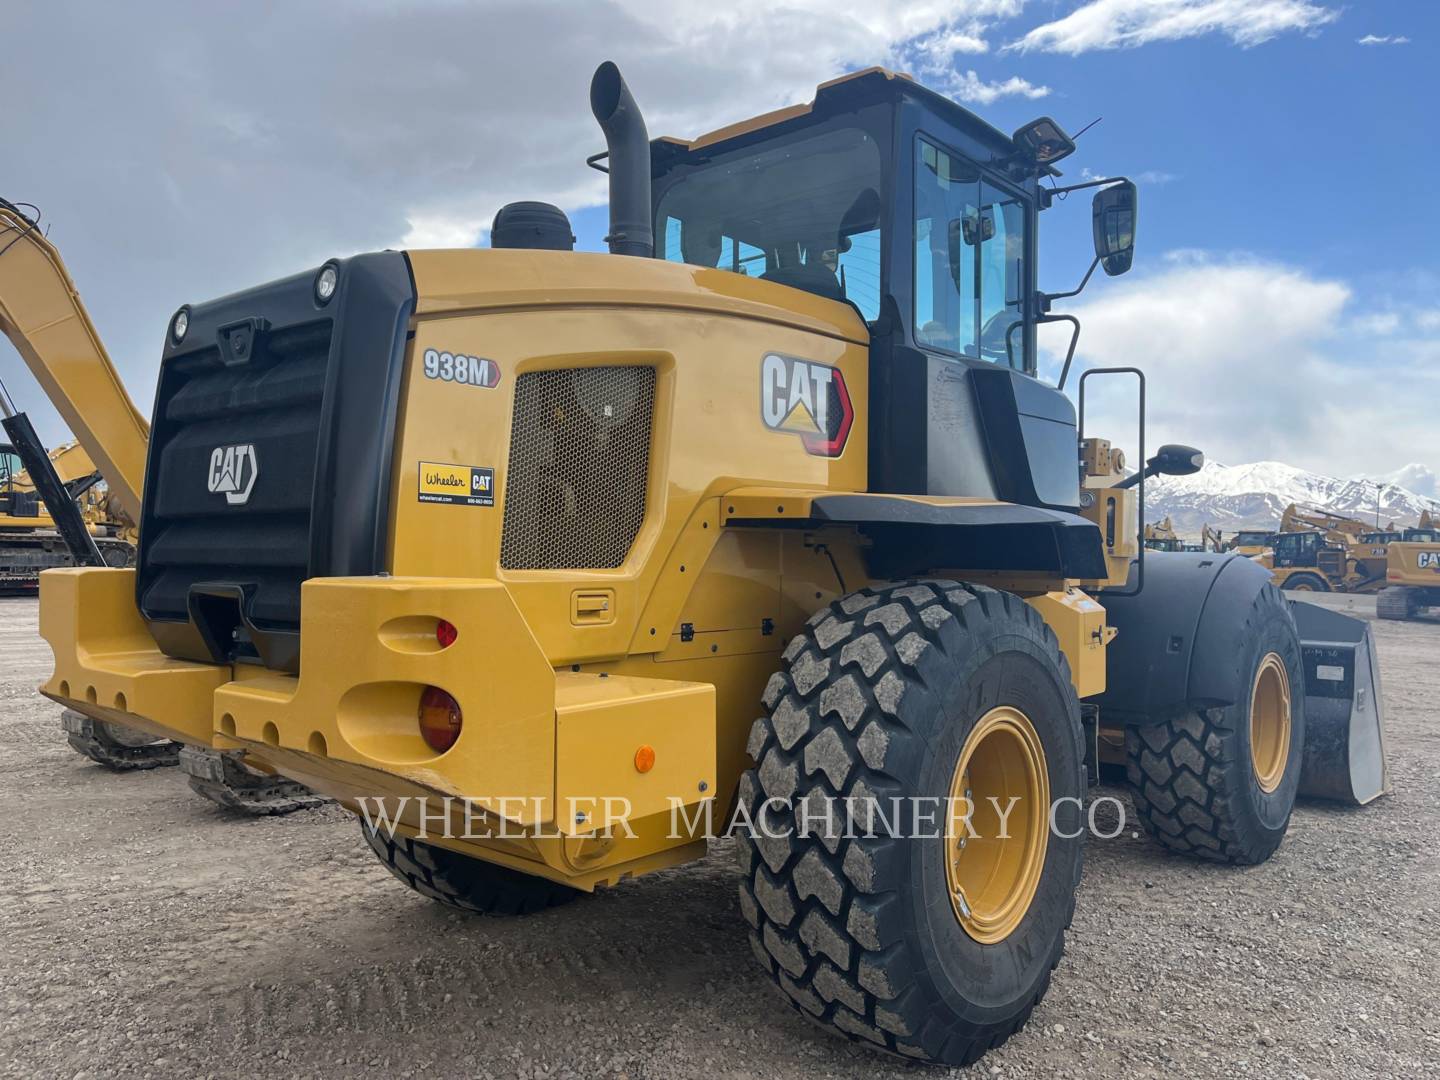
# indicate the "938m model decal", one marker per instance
pixel 807 399
pixel 457 367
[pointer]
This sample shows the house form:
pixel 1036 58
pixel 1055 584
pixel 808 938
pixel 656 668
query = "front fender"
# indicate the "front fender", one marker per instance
pixel 1176 639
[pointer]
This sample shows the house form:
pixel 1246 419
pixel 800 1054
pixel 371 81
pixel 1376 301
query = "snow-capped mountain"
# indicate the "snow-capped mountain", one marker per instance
pixel 1231 497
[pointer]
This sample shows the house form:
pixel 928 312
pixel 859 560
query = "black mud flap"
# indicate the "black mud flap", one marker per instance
pixel 1344 713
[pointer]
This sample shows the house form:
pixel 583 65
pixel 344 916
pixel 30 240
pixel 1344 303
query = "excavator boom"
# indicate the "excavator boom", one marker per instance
pixel 42 315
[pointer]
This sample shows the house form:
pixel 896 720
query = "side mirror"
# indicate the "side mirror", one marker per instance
pixel 1113 211
pixel 1172 459
pixel 1043 141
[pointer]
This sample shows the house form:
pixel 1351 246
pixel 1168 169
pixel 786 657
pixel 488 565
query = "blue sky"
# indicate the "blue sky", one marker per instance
pixel 1286 259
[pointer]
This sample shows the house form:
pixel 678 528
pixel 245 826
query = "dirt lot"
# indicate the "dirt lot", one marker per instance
pixel 145 932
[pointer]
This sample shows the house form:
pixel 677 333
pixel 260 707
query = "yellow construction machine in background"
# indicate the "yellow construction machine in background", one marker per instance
pixel 1320 551
pixel 1412 572
pixel 29 539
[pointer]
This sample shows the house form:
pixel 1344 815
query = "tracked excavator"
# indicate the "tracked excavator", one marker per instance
pixel 1162 537
pixel 1412 572
pixel 29 539
pixel 52 514
pixel 763 515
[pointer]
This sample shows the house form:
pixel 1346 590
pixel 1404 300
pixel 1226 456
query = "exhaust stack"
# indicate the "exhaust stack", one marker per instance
pixel 631 232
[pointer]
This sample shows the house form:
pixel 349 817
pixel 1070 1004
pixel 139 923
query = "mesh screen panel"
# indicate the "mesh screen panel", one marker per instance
pixel 579 463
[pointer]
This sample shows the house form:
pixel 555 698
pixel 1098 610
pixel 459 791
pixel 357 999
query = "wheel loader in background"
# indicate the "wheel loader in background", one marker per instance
pixel 52 513
pixel 513 545
pixel 1320 551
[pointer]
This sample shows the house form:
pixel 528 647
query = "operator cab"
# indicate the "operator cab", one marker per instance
pixel 893 199
pixel 1299 548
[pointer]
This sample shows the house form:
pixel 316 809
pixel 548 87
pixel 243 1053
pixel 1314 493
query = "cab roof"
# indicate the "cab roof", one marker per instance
pixel 872 85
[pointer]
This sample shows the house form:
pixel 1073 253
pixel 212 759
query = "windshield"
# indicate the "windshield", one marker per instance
pixel 802 211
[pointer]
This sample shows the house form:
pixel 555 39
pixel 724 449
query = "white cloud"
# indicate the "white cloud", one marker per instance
pixel 967 86
pixel 1115 24
pixel 1415 477
pixel 1256 361
pixel 241 144
pixel 1383 39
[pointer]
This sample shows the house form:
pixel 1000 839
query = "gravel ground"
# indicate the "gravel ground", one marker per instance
pixel 147 933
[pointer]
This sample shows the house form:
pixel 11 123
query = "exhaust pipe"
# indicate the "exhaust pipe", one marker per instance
pixel 631 231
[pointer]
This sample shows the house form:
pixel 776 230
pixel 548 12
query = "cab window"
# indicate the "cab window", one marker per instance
pixel 970 273
pixel 803 210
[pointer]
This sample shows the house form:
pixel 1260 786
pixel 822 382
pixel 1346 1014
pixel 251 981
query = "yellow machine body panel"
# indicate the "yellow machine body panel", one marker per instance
pixel 1413 563
pixel 567 678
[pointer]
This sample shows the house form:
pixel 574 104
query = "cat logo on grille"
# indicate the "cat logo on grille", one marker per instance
pixel 233 472
pixel 807 399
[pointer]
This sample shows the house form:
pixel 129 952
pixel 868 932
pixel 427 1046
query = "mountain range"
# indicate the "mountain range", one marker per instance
pixel 1230 497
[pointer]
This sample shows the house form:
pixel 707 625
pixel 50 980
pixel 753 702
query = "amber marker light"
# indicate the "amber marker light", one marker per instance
pixel 440 719
pixel 645 758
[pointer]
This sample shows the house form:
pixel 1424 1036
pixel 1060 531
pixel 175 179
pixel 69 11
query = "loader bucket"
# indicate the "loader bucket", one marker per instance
pixel 1344 715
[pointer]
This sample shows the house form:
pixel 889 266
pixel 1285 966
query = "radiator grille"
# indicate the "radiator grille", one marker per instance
pixel 579 464
pixel 271 403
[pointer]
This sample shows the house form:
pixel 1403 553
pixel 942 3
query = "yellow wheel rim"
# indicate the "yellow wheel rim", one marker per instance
pixel 1270 722
pixel 993 863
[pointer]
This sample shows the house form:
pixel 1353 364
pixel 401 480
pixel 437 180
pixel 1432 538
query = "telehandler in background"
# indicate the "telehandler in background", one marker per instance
pixel 518 541
pixel 69 519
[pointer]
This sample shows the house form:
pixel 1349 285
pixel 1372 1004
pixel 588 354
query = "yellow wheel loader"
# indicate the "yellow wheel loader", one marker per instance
pixel 53 513
pixel 552 564
pixel 1318 551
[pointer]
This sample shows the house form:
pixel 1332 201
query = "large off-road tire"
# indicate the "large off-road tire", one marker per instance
pixel 1395 602
pixel 883 695
pixel 462 882
pixel 1220 783
pixel 225 779
pixel 118 748
pixel 1306 582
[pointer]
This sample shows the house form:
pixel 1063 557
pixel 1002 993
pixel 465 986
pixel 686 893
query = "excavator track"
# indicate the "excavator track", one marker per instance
pixel 119 749
pixel 24 555
pixel 225 779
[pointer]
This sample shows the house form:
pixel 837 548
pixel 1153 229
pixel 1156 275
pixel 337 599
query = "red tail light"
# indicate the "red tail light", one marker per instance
pixel 439 719
pixel 445 633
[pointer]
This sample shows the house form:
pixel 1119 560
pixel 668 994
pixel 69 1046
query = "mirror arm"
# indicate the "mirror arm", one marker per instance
pixel 1047 298
pixel 1048 195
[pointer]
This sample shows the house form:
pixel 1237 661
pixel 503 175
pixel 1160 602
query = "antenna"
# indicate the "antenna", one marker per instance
pixel 1086 128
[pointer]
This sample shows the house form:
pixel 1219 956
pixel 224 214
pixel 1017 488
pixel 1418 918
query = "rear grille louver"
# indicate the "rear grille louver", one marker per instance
pixel 273 403
pixel 577 481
